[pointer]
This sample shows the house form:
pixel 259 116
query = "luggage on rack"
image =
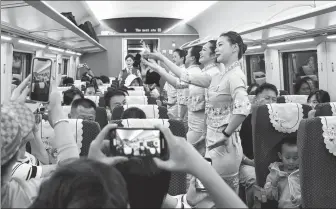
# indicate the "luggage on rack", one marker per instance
pixel 70 17
pixel 88 28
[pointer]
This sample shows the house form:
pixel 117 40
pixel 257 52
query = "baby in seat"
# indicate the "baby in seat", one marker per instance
pixel 283 181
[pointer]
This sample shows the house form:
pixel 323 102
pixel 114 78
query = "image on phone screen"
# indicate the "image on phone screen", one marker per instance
pixel 137 142
pixel 199 185
pixel 41 76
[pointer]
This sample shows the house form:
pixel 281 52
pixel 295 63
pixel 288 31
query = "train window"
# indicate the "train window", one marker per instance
pixel 255 68
pixel 21 66
pixel 298 65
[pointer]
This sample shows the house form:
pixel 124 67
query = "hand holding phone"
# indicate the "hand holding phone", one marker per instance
pixel 138 142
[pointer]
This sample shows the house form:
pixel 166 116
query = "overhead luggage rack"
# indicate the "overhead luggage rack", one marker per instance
pixel 39 21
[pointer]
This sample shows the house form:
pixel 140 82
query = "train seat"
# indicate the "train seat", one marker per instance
pixel 301 99
pixel 325 109
pixel 95 99
pixel 136 93
pixel 317 151
pixel 270 124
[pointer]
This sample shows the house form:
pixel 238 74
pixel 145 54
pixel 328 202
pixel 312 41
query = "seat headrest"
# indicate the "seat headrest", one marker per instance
pixel 95 99
pixel 144 123
pixel 136 93
pixel 151 111
pixel 301 99
pixel 136 100
pixel 63 88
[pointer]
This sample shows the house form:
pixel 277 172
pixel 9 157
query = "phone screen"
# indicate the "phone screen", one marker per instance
pixel 137 142
pixel 41 78
pixel 199 185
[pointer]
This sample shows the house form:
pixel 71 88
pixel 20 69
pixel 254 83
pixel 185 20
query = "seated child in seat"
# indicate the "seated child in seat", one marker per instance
pixel 283 181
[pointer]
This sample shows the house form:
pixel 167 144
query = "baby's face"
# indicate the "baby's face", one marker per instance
pixel 289 157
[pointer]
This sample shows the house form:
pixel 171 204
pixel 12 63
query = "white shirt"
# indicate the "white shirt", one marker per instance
pixel 27 168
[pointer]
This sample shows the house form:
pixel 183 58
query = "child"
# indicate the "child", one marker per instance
pixel 283 182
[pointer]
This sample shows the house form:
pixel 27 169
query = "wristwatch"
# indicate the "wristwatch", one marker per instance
pixel 226 134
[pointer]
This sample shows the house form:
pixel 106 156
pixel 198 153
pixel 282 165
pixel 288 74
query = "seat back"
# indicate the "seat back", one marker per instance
pixel 137 88
pixel 101 117
pixel 267 133
pixel 326 109
pixel 178 184
pixel 84 133
pixel 140 100
pixel 317 164
pixel 101 102
pixel 136 93
pixel 301 99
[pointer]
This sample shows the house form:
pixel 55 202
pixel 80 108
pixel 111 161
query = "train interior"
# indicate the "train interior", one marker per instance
pixel 287 42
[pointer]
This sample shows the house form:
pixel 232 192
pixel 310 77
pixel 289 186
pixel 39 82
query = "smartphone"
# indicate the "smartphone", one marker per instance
pixel 138 142
pixel 199 186
pixel 41 79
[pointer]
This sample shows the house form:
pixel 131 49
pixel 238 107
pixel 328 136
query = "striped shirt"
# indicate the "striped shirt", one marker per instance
pixel 27 168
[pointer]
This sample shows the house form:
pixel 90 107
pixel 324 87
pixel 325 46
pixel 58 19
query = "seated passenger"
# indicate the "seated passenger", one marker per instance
pixel 113 99
pixel 83 109
pixel 90 90
pixel 153 82
pixel 83 183
pixel 304 86
pixel 317 97
pixel 70 95
pixel 132 80
pixel 133 112
pixel 265 94
pixel 283 182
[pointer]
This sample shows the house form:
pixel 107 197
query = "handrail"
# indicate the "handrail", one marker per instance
pixel 46 9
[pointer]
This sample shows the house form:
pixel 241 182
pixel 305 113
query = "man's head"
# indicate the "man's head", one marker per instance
pixel 129 59
pixel 71 95
pixel 83 109
pixel 114 99
pixel 288 153
pixel 266 94
pixel 147 185
pixel 90 90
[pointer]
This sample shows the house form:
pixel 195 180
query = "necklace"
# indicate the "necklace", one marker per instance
pixel 207 67
pixel 232 66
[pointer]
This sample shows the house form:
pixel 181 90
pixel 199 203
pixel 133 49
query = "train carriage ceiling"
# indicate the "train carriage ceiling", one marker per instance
pixel 209 18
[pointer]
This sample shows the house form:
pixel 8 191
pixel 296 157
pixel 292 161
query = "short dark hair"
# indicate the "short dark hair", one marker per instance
pixel 235 38
pixel 105 79
pixel 133 112
pixel 83 183
pixel 110 94
pixel 195 52
pixel 290 140
pixel 321 96
pixel 147 184
pixel 300 82
pixel 129 56
pixel 267 86
pixel 68 81
pixel 251 86
pixel 181 53
pixel 69 94
pixel 86 103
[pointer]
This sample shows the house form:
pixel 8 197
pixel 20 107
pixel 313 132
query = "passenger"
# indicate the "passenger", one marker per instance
pixel 317 97
pixel 83 183
pixel 252 87
pixel 83 109
pixel 70 95
pixel 304 86
pixel 68 81
pixel 283 181
pixel 114 99
pixel 133 112
pixel 265 94
pixel 153 82
pixel 18 193
pixel 90 90
pixel 129 59
pixel 227 105
pixel 132 80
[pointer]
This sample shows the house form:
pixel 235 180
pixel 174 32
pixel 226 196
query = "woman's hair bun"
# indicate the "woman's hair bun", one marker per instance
pixel 244 48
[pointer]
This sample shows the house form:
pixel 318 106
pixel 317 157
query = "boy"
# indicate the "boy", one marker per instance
pixel 283 182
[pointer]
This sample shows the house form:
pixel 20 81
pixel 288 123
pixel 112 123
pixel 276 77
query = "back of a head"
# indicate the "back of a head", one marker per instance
pixel 69 95
pixel 105 79
pixel 86 103
pixel 265 86
pixel 83 183
pixel 133 112
pixel 147 185
pixel 195 52
pixel 68 81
